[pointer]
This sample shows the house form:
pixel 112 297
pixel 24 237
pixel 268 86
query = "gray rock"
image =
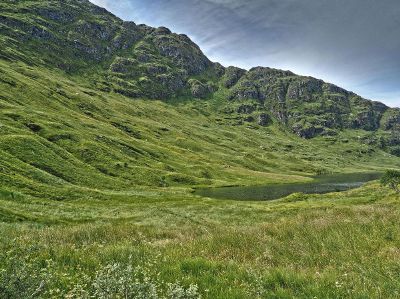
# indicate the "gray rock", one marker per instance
pixel 249 119
pixel 304 89
pixel 307 131
pixel 162 31
pixel 264 119
pixel 184 53
pixel 246 109
pixel 199 89
pixel 232 76
pixel 245 90
pixel 391 119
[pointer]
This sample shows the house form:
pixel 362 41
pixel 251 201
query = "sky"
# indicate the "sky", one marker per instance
pixel 352 43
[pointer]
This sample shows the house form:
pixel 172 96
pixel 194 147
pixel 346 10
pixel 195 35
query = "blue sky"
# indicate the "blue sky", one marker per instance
pixel 352 43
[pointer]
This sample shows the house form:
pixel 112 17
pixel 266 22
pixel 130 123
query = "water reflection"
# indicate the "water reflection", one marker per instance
pixel 321 184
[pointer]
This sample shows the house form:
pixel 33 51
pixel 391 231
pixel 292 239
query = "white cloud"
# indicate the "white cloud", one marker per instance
pixel 102 3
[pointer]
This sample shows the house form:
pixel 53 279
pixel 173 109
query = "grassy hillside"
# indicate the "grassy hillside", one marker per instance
pixel 107 126
pixel 58 134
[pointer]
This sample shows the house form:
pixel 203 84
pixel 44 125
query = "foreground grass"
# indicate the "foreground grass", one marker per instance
pixel 339 245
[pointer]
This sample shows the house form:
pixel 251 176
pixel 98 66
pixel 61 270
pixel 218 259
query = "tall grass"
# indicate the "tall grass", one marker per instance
pixel 340 245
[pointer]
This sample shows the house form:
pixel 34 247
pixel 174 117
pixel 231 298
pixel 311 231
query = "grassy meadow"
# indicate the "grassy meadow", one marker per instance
pixel 339 245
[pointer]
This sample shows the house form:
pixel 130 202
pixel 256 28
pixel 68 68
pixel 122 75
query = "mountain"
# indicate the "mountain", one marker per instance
pixel 89 100
pixel 108 127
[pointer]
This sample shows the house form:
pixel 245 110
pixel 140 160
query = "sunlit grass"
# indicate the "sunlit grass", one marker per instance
pixel 325 246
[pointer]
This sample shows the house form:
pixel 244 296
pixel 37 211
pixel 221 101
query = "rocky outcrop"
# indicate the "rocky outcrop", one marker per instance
pixel 128 35
pixel 391 119
pixel 307 131
pixel 245 90
pixel 264 119
pixel 246 108
pixel 365 114
pixel 232 76
pixel 184 53
pixel 127 66
pixel 200 90
pixel 304 89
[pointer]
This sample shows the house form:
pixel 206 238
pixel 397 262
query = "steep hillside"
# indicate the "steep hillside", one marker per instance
pixel 91 102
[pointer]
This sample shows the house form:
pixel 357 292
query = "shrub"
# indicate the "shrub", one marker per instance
pixel 391 178
pixel 22 276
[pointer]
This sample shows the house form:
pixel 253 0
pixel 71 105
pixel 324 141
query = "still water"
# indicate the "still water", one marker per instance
pixel 321 184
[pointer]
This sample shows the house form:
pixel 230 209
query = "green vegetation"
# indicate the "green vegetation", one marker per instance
pixel 391 178
pixel 340 245
pixel 107 127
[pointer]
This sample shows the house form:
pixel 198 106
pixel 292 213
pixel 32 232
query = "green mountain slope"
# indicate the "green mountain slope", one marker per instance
pixel 79 110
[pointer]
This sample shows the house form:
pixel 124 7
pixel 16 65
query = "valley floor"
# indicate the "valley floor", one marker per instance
pixel 338 245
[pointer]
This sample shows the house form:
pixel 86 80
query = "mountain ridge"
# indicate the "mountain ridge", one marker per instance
pixel 141 61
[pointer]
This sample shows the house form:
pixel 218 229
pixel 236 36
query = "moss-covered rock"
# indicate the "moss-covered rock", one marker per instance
pixel 232 76
pixel 264 119
pixel 181 50
pixel 199 89
pixel 391 119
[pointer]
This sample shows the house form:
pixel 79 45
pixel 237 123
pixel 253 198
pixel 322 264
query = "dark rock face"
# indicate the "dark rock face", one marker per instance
pixel 333 89
pixel 246 109
pixel 391 119
pixel 366 115
pixel 200 90
pixel 364 120
pixel 304 89
pixel 55 14
pixel 245 90
pixel 264 119
pixel 124 65
pixel 308 131
pixel 219 69
pixel 162 31
pixel 127 37
pixel 232 76
pixel 184 53
pixel 171 83
pixel 258 83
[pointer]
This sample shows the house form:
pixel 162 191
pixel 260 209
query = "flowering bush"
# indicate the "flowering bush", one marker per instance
pixel 21 277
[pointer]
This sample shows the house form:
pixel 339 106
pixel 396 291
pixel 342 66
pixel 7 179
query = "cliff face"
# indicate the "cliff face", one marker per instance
pixel 80 38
